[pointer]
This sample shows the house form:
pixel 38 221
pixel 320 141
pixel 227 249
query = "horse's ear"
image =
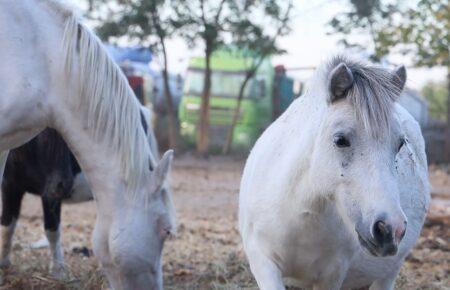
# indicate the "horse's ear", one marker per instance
pixel 399 77
pixel 162 169
pixel 341 81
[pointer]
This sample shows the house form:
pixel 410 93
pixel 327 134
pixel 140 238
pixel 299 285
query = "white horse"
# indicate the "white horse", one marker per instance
pixel 335 192
pixel 55 73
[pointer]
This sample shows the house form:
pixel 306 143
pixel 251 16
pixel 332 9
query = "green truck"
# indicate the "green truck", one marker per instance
pixel 267 94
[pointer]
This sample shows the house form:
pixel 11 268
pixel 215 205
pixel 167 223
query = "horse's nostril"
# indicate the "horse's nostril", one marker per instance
pixel 382 232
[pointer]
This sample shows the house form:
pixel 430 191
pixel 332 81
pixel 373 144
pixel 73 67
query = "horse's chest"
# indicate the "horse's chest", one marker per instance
pixel 314 251
pixel 314 259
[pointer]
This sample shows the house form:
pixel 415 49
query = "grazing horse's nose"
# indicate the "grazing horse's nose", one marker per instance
pixel 388 235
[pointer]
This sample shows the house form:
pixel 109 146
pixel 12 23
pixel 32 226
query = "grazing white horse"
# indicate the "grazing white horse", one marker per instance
pixel 55 73
pixel 335 192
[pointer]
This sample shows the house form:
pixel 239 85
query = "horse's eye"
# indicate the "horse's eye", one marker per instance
pixel 341 141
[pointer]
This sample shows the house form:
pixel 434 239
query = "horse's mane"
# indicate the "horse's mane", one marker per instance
pixel 373 93
pixel 111 110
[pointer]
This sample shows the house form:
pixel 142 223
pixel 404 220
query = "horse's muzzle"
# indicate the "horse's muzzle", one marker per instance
pixel 384 240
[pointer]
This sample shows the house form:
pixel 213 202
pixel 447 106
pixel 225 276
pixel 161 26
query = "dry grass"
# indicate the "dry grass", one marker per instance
pixel 206 254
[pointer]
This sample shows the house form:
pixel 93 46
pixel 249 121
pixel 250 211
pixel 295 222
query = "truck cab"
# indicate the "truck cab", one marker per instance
pixel 227 75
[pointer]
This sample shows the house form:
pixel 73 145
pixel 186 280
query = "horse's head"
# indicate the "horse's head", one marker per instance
pixel 356 149
pixel 137 236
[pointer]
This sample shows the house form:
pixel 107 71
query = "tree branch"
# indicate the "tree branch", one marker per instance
pixel 202 7
pixel 219 11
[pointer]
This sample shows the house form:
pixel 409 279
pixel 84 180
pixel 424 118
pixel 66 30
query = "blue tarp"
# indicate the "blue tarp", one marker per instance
pixel 134 54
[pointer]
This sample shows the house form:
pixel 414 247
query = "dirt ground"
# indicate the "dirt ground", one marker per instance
pixel 207 253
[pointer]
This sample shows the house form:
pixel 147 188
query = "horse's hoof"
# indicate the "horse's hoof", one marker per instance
pixel 41 243
pixel 57 271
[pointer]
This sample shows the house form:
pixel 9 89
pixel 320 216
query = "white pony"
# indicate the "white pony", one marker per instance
pixel 335 192
pixel 55 73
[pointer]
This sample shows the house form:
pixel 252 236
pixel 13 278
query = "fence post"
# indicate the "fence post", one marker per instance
pixel 447 130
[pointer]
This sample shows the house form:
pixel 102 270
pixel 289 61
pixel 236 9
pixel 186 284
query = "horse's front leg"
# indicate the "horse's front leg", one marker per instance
pixel 11 202
pixel 10 213
pixel 52 216
pixel 100 243
pixel 267 274
pixel 333 275
pixel 330 284
pixel 385 284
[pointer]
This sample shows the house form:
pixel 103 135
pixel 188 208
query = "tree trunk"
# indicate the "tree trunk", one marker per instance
pixel 226 147
pixel 447 131
pixel 169 101
pixel 250 74
pixel 203 125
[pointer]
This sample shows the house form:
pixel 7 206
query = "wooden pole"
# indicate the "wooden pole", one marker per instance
pixel 447 130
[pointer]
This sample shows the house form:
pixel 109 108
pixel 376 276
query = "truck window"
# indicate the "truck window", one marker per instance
pixel 223 84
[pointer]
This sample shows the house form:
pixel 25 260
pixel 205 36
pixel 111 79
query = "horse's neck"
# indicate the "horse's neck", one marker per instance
pixel 100 165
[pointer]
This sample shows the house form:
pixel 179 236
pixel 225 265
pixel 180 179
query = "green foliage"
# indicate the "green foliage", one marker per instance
pixel 427 28
pixel 146 22
pixel 369 20
pixel 232 22
pixel 436 95
pixel 216 23
pixel 200 20
pixel 420 29
pixel 255 38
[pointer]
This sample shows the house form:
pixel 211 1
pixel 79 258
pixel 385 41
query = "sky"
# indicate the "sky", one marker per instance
pixel 307 46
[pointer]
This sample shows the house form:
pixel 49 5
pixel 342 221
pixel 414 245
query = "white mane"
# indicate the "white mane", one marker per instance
pixel 373 94
pixel 111 111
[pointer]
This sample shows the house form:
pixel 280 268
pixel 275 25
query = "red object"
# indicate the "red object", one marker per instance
pixel 280 69
pixel 137 84
pixel 135 81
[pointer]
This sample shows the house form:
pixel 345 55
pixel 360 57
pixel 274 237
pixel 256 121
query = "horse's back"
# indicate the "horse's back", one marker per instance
pixel 29 33
pixel 29 50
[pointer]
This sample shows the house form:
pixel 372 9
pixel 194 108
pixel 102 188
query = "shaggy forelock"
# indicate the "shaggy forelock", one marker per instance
pixel 372 95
